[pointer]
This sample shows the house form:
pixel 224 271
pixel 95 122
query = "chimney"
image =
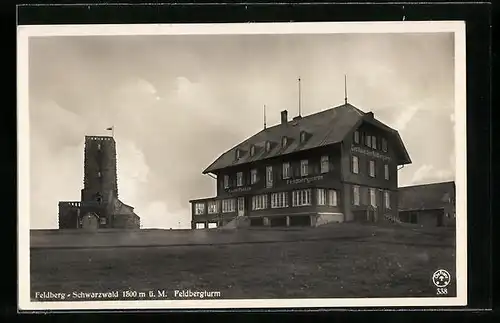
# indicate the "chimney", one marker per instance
pixel 284 117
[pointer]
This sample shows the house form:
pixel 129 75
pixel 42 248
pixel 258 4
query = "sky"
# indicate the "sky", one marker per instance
pixel 178 102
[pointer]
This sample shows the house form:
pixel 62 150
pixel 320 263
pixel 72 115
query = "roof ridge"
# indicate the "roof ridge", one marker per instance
pixel 428 184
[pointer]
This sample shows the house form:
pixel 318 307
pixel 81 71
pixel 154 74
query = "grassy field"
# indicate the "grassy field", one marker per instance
pixel 346 260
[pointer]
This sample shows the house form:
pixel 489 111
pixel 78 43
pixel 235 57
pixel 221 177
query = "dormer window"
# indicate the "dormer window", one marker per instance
pixel 268 146
pixel 303 137
pixel 238 154
pixel 252 150
pixel 284 141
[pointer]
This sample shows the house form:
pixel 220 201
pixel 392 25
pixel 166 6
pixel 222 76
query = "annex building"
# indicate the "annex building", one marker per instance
pixel 336 165
pixel 430 205
pixel 99 206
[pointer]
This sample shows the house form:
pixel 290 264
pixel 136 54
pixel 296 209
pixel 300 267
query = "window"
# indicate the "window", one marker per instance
pixel 302 136
pixel 99 146
pixel 301 197
pixel 200 225
pixel 286 170
pixel 199 208
pixel 373 197
pixel 386 171
pixel 304 167
pixel 355 164
pixel 332 197
pixel 368 140
pixel 253 176
pixel 212 225
pixel 387 200
pixel 355 195
pixel 239 179
pixel 238 154
pixel 102 220
pixel 374 142
pixel 283 141
pixel 356 137
pixel 324 164
pixel 384 145
pixel 213 207
pixel 259 202
pixel 228 205
pixel 226 181
pixel 252 150
pixel 321 196
pixel 269 176
pixel 99 174
pixel 268 146
pixel 279 200
pixel 372 168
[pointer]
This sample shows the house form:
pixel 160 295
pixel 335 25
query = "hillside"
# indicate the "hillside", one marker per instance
pixel 345 260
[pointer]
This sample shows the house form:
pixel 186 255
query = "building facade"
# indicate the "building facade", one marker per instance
pixel 99 206
pixel 429 205
pixel 333 166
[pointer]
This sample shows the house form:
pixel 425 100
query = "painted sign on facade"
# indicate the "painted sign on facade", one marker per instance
pixel 239 189
pixel 304 180
pixel 370 153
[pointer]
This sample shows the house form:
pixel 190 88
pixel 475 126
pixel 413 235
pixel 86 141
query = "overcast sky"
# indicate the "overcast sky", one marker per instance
pixel 178 102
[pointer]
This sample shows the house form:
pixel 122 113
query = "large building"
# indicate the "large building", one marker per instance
pixel 428 205
pixel 99 206
pixel 337 165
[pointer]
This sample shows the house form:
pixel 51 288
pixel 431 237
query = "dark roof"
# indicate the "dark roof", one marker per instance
pixel 427 196
pixel 323 128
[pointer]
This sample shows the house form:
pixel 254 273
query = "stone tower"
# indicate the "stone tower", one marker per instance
pixel 99 206
pixel 100 179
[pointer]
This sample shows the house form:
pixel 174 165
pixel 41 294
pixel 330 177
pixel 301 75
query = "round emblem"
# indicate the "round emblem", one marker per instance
pixel 441 278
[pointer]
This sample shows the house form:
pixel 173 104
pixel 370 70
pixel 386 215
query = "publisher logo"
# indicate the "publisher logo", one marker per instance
pixel 441 278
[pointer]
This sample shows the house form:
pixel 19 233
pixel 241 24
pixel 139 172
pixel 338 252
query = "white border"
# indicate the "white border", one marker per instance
pixel 25 32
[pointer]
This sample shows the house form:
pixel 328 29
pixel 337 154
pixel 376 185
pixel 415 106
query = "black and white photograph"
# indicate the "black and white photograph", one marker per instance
pixel 258 165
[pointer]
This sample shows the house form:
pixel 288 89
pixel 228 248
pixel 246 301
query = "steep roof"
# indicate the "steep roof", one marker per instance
pixel 427 196
pixel 323 128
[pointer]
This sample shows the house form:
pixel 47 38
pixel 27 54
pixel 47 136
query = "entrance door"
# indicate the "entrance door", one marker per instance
pixel 89 222
pixel 241 206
